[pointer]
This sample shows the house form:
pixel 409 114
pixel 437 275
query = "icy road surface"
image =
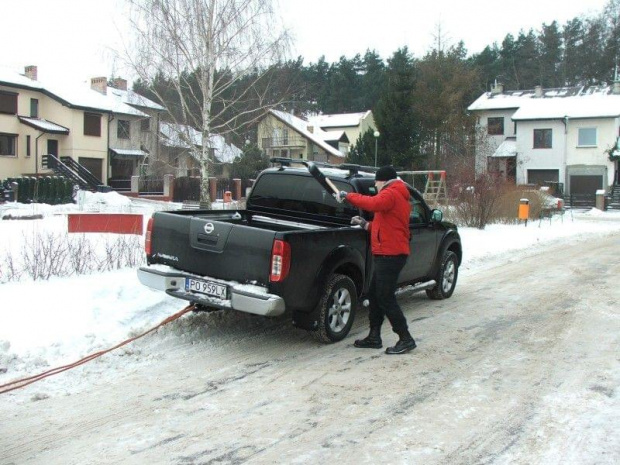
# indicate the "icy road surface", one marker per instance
pixel 521 365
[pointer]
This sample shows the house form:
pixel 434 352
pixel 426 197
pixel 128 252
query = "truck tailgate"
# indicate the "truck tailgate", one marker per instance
pixel 223 249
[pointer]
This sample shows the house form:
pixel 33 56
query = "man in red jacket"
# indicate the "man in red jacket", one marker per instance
pixel 389 240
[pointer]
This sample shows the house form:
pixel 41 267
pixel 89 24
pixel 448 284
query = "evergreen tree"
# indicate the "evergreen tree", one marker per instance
pixel 592 52
pixel 571 61
pixel 611 18
pixel 488 66
pixel 372 80
pixel 508 58
pixel 252 162
pixel 394 114
pixel 363 152
pixel 550 55
pixel 443 91
pixel 344 83
pixel 526 69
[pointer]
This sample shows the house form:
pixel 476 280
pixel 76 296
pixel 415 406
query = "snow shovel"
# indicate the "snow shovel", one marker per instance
pixel 321 178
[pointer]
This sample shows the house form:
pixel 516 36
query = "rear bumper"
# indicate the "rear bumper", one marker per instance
pixel 244 298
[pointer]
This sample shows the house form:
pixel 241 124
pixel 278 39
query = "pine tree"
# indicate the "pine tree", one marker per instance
pixel 550 55
pixel 571 61
pixel 394 114
pixel 363 152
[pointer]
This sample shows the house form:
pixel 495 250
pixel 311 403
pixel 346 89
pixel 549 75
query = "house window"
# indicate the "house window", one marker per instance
pixel 587 137
pixel 542 138
pixel 123 129
pixel 27 146
pixel 92 124
pixel 495 126
pixel 145 125
pixel 8 145
pixel 8 103
pixel 34 107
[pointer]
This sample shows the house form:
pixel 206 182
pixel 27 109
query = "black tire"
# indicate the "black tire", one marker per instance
pixel 446 277
pixel 336 309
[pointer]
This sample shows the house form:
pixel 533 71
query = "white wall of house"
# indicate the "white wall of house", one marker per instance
pixel 530 158
pixel 488 143
pixel 598 155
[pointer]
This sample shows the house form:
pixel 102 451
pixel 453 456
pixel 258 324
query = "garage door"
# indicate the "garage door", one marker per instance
pixel 585 185
pixel 94 165
pixel 541 176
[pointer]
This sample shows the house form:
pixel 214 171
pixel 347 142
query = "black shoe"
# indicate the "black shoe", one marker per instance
pixel 402 346
pixel 372 341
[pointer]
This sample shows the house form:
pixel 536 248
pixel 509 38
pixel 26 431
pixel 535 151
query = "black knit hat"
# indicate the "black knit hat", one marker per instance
pixel 385 173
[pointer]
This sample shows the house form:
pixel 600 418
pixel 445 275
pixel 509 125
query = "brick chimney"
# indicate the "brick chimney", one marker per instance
pixel 119 83
pixel 31 72
pixel 100 84
pixel 538 91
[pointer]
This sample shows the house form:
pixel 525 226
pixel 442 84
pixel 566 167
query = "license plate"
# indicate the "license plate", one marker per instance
pixel 206 287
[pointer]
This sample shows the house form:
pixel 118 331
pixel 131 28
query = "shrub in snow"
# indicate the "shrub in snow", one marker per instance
pixel 47 254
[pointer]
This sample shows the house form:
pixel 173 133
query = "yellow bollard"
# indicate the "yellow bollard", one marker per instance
pixel 524 210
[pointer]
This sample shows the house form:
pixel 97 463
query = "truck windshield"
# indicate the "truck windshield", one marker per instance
pixel 299 193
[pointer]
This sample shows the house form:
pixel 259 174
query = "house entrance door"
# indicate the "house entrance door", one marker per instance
pixel 52 147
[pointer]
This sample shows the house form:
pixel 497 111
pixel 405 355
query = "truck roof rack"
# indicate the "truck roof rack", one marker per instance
pixel 350 167
pixel 284 161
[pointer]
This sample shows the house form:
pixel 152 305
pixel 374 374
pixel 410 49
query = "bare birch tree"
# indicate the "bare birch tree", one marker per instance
pixel 213 44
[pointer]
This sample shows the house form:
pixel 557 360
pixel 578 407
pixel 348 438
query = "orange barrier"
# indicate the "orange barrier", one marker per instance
pixel 118 223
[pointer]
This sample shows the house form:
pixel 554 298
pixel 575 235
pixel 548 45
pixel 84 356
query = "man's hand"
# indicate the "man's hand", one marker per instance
pixel 340 196
pixel 358 220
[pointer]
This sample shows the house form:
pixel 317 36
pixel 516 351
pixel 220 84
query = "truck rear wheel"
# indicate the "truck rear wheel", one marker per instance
pixel 336 309
pixel 446 277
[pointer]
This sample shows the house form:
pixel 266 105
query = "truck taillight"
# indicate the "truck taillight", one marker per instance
pixel 280 261
pixel 147 237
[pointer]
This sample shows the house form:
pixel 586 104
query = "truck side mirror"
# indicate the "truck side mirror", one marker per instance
pixel 436 216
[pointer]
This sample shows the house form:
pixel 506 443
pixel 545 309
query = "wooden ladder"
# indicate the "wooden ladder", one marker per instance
pixel 435 189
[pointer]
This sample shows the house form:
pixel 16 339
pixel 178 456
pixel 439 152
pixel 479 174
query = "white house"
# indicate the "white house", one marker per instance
pixel 177 155
pixel 282 134
pixel 565 136
pixel 353 124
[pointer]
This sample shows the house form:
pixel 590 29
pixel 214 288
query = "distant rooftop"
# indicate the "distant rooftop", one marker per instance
pixel 338 120
pixel 556 103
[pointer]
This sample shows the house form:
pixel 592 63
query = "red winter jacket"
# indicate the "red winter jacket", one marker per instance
pixel 389 231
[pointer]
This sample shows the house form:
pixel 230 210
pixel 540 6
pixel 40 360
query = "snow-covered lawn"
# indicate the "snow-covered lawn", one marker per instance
pixel 44 324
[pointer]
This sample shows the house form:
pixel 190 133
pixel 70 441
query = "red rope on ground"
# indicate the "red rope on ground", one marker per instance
pixel 20 383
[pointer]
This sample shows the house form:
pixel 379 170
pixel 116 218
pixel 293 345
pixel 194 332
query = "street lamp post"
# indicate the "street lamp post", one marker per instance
pixel 376 134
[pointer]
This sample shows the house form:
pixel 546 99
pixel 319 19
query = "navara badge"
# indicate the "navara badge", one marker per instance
pixel 209 228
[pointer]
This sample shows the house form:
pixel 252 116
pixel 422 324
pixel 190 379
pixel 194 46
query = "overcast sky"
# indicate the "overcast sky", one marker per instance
pixel 72 39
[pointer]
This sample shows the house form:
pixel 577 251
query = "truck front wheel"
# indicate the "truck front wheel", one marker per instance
pixel 446 278
pixel 336 309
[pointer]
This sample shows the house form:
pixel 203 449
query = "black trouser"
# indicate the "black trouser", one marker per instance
pixel 382 292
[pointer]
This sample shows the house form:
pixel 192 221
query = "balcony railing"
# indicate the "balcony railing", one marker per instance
pixel 277 142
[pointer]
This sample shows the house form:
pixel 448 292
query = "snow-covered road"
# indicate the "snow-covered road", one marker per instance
pixel 521 365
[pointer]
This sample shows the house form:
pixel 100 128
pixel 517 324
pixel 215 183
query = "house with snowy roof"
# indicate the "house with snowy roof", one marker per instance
pixel 87 124
pixel 179 145
pixel 566 135
pixel 353 124
pixel 282 134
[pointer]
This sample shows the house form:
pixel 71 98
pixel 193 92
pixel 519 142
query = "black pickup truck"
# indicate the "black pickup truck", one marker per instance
pixel 292 249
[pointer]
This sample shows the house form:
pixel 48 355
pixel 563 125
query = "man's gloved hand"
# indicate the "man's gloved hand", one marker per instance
pixel 340 197
pixel 358 220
